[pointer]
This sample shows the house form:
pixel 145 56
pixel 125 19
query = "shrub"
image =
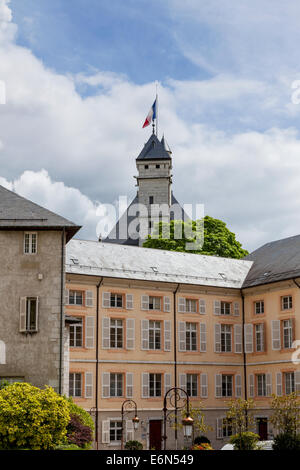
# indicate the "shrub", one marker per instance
pixel 78 433
pixel 32 418
pixel 85 417
pixel 245 441
pixel 286 441
pixel 203 446
pixel 201 440
pixel 133 445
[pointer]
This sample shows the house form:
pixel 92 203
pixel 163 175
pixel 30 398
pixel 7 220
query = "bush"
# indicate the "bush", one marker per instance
pixel 133 445
pixel 201 440
pixel 245 441
pixel 286 441
pixel 78 433
pixel 203 446
pixel 32 418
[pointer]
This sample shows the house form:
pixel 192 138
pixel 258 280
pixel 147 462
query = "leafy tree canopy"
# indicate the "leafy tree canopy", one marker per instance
pixel 214 239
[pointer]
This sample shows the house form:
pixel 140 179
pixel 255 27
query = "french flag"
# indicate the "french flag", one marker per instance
pixel 151 115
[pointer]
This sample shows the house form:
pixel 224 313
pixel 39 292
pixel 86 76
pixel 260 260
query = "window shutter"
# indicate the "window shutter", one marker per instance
pixel 219 428
pixel 129 384
pixel 217 338
pixel 269 384
pixel 202 337
pixel 106 299
pixel 129 301
pixel 105 333
pixel 89 332
pixel 105 384
pixel 236 309
pixel 167 304
pixel 251 385
pixel 238 386
pixel 66 296
pixel 297 381
pixel 145 302
pixel 88 385
pixel 181 304
pixel 36 315
pixel 218 385
pixel 145 385
pixel 279 384
pixel 204 385
pixel 248 330
pixel 22 322
pixel 145 334
pixel 167 335
pixel 238 341
pixel 105 431
pixel 167 382
pixel 182 383
pixel 217 307
pixel 276 343
pixel 130 333
pixel 129 430
pixel 2 352
pixel 89 298
pixel 181 334
pixel 202 306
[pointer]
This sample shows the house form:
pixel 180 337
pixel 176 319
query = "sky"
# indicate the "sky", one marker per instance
pixel 80 79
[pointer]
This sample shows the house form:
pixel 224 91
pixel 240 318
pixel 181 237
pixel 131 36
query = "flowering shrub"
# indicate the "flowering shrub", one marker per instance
pixel 203 446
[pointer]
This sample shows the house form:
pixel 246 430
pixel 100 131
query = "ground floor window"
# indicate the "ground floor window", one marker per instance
pixel 115 431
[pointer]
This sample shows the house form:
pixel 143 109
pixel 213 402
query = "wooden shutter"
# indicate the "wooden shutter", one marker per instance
pixel 129 430
pixel 106 299
pixel 167 382
pixel 276 342
pixel 238 386
pixel 238 340
pixel 2 352
pixel 67 296
pixel 297 381
pixel 217 337
pixel 145 385
pixel 145 302
pixel 181 336
pixel 129 384
pixel 279 384
pixel 217 307
pixel 236 308
pixel 129 301
pixel 88 385
pixel 130 333
pixel 202 337
pixel 145 334
pixel 167 335
pixel 269 384
pixel 105 333
pixel 23 311
pixel 89 298
pixel 105 431
pixel 219 428
pixel 181 304
pixel 202 306
pixel 89 332
pixel 218 385
pixel 251 385
pixel 248 330
pixel 105 384
pixel 167 304
pixel 204 385
pixel 182 383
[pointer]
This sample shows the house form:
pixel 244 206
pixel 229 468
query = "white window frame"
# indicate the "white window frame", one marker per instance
pixel 32 246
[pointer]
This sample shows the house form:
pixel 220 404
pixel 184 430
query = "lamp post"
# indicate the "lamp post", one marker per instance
pixel 127 407
pixel 175 396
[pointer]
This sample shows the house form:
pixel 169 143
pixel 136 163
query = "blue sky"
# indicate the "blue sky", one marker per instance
pixel 80 78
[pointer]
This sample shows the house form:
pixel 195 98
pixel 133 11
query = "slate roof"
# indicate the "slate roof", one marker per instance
pixel 275 261
pixel 130 262
pixel 155 150
pixel 16 212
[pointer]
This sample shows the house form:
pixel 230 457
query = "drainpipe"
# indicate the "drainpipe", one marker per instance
pixel 244 353
pixel 97 361
pixel 62 274
pixel 175 363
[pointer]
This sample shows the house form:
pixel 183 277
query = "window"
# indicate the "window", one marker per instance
pixel 225 308
pixel 261 385
pixel 116 385
pixel 116 333
pixel 227 427
pixel 75 384
pixel 154 385
pixel 191 336
pixel 192 385
pixel 157 166
pixel 115 431
pixel 287 333
pixel 151 199
pixel 154 303
pixel 154 335
pixel 191 305
pixel 76 335
pixel 289 382
pixel 116 300
pixel 259 307
pixel 259 337
pixel 30 243
pixel 75 297
pixel 286 302
pixel 227 385
pixel 226 338
pixel 31 314
pixel 146 167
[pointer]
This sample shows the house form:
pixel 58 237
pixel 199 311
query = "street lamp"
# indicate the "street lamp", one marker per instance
pixel 127 407
pixel 175 396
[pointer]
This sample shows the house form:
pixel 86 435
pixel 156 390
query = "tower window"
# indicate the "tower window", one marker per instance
pixel 157 166
pixel 146 167
pixel 151 199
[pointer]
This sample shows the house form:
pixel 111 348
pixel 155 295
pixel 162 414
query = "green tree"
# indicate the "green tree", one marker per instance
pixel 207 237
pixel 240 418
pixel 286 413
pixel 32 418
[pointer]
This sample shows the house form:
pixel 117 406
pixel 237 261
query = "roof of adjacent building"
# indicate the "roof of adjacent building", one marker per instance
pixel 147 264
pixel 17 212
pixel 155 150
pixel 275 261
